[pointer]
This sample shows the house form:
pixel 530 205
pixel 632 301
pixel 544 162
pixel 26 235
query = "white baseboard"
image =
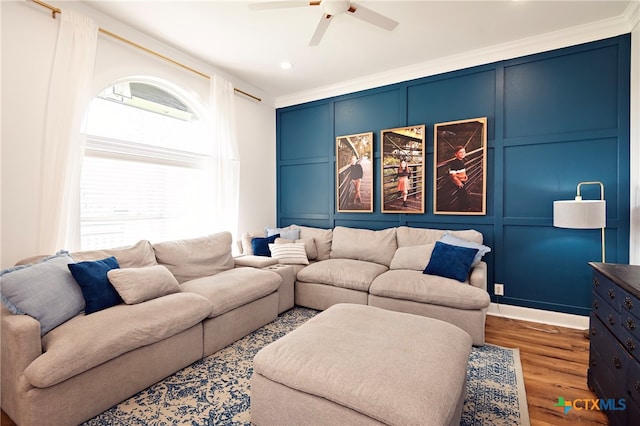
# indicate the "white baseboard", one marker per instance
pixel 538 315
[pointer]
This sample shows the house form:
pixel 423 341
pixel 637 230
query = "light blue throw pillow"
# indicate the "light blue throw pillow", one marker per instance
pixel 455 241
pixel 45 291
pixel 286 233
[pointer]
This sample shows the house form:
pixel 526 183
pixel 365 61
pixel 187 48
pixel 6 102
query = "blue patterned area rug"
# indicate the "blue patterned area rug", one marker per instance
pixel 215 390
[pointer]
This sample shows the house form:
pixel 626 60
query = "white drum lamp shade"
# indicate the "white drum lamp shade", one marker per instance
pixel 580 214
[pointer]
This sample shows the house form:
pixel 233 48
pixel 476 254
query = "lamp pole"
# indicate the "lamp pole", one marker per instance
pixel 579 198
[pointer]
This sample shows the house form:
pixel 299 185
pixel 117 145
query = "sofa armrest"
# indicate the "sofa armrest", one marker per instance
pixel 20 345
pixel 478 277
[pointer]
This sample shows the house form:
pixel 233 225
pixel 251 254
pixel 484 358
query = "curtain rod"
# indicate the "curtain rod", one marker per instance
pixel 55 10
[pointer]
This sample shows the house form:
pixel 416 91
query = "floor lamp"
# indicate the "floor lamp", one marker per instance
pixel 582 214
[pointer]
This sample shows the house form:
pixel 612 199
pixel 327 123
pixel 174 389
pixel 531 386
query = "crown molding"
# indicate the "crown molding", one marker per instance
pixel 536 44
pixel 632 13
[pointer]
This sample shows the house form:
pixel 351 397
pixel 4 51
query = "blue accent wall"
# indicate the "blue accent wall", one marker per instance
pixel 554 119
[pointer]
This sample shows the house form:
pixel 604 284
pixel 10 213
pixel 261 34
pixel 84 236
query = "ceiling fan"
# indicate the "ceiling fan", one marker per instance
pixel 330 8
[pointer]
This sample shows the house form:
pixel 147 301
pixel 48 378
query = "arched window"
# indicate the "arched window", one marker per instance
pixel 146 169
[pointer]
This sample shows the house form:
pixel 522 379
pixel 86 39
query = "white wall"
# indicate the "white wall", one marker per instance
pixel 634 243
pixel 28 41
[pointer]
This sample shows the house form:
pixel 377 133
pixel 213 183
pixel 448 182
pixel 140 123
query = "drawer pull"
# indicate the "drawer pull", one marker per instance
pixel 616 362
pixel 628 303
pixel 611 319
pixel 631 325
pixel 595 303
pixel 594 331
pixel 596 282
pixel 631 345
pixel 612 294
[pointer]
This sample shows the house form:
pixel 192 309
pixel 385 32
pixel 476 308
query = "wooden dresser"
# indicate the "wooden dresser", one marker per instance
pixel 614 355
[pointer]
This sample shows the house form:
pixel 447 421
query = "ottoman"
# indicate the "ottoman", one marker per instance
pixel 362 365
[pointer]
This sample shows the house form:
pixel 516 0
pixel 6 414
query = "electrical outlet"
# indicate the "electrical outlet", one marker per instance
pixel 498 289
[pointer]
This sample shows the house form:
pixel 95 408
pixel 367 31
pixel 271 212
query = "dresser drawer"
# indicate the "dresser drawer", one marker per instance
pixel 630 343
pixel 630 304
pixel 607 290
pixel 607 314
pixel 612 354
pixel 630 323
pixel 608 381
pixel 633 384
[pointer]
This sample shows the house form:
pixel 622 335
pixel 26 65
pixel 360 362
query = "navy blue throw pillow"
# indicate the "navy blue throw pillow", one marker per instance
pixel 450 261
pixel 97 291
pixel 260 246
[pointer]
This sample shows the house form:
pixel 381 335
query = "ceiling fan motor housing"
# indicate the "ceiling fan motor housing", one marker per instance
pixel 335 7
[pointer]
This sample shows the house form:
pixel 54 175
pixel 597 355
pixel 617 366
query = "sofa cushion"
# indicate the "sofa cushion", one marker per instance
pixel 136 256
pixel 234 288
pixel 289 254
pixel 408 236
pixel 254 261
pixel 321 237
pixel 86 341
pixel 364 244
pixel 137 285
pixel 412 257
pixel 451 261
pixel 91 276
pixel 45 291
pixel 432 289
pixel 345 273
pixel 197 257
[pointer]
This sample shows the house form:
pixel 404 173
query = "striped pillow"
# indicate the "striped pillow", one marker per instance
pixel 291 253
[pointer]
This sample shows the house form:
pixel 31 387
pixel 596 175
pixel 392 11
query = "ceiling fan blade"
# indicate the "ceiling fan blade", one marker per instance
pixel 325 20
pixel 266 5
pixel 372 17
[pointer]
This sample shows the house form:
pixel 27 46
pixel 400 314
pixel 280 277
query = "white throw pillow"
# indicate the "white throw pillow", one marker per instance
pixel 136 285
pixel 290 254
pixel 309 245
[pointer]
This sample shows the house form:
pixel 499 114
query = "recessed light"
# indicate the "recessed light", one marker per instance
pixel 286 65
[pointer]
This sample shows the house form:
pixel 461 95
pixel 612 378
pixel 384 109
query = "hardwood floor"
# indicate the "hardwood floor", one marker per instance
pixel 554 364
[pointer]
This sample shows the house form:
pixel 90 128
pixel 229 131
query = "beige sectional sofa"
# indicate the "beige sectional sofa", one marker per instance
pixel 385 269
pixel 180 301
pixel 91 362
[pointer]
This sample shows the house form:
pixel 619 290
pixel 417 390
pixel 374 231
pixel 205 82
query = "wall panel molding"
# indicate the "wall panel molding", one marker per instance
pixel 554 119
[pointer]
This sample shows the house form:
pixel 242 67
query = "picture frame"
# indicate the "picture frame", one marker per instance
pixel 402 169
pixel 460 167
pixel 354 173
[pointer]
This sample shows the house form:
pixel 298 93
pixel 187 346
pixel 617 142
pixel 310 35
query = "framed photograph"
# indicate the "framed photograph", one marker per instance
pixel 460 167
pixel 354 173
pixel 403 169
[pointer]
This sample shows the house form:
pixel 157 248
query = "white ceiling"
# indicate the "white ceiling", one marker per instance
pixel 251 44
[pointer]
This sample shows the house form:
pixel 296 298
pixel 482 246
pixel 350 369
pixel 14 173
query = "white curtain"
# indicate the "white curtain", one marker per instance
pixel 64 140
pixel 225 158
